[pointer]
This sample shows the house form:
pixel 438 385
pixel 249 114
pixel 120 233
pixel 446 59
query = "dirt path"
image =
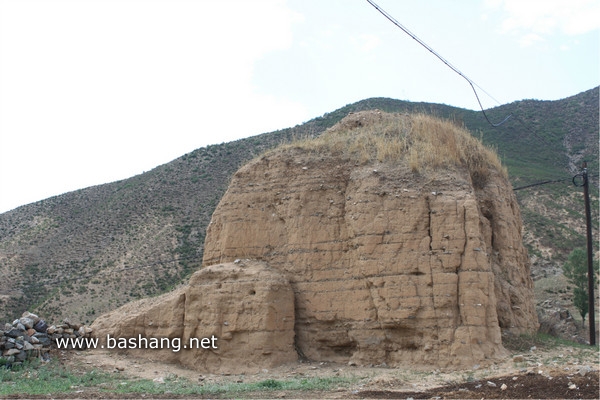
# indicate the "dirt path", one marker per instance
pixel 563 372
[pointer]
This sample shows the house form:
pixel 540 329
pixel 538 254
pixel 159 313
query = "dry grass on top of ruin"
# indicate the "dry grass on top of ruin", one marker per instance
pixel 424 142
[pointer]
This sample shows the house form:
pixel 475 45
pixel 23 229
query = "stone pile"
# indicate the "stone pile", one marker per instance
pixel 30 336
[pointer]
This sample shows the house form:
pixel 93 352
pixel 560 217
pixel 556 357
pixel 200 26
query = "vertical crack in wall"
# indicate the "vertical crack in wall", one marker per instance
pixel 429 211
pixel 370 287
pixel 459 321
pixel 430 260
pixel 182 322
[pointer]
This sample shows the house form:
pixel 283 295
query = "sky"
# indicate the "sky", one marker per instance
pixel 94 91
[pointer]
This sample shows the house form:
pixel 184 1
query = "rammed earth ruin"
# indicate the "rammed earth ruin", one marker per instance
pixel 391 239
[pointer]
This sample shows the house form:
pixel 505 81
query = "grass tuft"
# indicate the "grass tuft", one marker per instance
pixel 524 342
pixel 423 142
pixel 54 379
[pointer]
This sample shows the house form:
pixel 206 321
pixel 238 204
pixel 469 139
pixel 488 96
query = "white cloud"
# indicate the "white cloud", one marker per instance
pixel 530 39
pixel 367 42
pixel 532 20
pixel 99 90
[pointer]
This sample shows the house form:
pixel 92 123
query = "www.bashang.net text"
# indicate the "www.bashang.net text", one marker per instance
pixel 139 342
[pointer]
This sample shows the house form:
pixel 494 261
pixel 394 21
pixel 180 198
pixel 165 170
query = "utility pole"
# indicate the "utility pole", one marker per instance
pixel 590 251
pixel 590 256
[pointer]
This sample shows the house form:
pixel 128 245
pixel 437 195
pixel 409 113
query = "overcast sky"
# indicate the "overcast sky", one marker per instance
pixel 93 91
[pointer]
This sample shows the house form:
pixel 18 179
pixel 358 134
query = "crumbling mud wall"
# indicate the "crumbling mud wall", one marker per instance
pixel 244 312
pixel 390 240
pixel 387 265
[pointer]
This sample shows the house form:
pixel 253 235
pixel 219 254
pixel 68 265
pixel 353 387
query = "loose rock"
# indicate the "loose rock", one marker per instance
pixel 518 358
pixel 27 337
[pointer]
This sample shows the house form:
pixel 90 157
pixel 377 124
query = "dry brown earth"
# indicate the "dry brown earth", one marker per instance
pixel 543 373
pixel 391 262
pixel 397 238
pixel 242 312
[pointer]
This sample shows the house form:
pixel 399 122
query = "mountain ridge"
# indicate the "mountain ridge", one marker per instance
pixel 88 251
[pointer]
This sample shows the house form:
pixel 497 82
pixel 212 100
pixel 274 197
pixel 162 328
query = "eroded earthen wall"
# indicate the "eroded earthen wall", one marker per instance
pixel 247 306
pixel 386 266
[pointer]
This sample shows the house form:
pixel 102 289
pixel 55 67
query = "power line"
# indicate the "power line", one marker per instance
pixel 542 183
pixel 552 181
pixel 452 67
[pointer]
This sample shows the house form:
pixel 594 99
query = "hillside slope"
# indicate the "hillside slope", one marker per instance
pixel 88 251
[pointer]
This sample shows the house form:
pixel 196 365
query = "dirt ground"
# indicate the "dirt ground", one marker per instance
pixel 562 372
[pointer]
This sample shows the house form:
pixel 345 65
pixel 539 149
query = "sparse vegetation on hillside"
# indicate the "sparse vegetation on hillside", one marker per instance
pixel 88 251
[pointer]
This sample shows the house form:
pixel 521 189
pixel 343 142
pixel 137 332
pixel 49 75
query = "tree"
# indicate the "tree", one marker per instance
pixel 576 272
